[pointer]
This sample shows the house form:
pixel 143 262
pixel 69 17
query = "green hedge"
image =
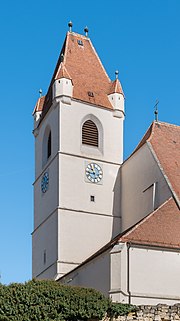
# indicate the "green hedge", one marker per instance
pixel 48 300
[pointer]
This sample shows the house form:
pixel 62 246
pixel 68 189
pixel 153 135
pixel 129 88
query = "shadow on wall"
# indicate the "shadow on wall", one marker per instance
pixel 116 212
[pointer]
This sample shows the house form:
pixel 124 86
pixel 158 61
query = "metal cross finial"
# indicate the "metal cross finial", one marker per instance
pixel 70 24
pixel 156 110
pixel 116 73
pixel 40 92
pixel 86 31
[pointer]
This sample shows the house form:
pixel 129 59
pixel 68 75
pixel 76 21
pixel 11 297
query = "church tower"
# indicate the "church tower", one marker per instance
pixel 78 130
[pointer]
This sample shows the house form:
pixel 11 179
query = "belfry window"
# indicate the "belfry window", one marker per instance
pixel 49 146
pixel 46 145
pixel 90 133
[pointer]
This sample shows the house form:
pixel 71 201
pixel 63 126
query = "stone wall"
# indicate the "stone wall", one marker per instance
pixel 160 312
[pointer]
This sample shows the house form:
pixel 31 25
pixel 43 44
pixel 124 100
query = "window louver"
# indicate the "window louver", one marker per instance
pixel 90 133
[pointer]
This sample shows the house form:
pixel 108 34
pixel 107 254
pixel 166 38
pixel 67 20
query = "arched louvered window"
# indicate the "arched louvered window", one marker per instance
pixel 90 133
pixel 49 145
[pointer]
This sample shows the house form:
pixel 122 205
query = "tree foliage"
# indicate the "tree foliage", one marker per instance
pixel 48 300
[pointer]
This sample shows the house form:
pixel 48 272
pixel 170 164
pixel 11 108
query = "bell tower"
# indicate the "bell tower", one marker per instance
pixel 78 130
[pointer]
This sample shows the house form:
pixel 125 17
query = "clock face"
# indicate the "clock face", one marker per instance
pixel 45 182
pixel 94 173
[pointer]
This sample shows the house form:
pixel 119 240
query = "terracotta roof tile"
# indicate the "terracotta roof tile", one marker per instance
pixel 82 65
pixel 87 71
pixel 39 104
pixel 162 227
pixel 116 87
pixel 62 72
pixel 164 139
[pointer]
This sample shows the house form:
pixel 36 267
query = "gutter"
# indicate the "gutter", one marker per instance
pixel 128 272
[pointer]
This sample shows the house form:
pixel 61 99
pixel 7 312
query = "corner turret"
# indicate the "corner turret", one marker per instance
pixel 63 86
pixel 116 97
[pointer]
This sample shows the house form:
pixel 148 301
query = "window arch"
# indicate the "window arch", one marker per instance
pixel 90 135
pixel 46 145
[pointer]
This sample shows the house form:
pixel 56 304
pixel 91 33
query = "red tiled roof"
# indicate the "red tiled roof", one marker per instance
pixel 39 104
pixel 62 72
pixel 82 64
pixel 160 228
pixel 164 139
pixel 116 87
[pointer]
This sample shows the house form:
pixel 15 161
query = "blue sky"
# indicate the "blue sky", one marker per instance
pixel 139 38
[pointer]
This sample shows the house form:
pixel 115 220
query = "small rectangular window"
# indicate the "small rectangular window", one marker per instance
pixel 44 257
pixel 92 198
pixel 80 42
pixel 90 94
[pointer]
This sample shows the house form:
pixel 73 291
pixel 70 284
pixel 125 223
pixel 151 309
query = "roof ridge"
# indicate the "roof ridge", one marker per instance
pixel 146 218
pixel 152 131
pixel 77 34
pixel 166 124
pixel 99 60
pixel 66 46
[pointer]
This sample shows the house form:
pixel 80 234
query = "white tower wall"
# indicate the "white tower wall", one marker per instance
pixel 68 226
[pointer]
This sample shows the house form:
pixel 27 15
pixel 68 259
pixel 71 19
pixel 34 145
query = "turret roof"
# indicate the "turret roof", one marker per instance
pixel 62 72
pixel 116 87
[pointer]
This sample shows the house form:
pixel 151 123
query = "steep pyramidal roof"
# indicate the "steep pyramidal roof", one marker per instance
pixel 164 140
pixel 79 62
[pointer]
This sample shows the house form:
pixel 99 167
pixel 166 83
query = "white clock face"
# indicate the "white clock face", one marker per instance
pixel 94 173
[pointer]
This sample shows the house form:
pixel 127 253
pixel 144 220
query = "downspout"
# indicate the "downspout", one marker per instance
pixel 128 272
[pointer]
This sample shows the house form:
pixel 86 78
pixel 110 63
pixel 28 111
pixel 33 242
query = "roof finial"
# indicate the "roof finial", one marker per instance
pixel 62 57
pixel 116 74
pixel 156 110
pixel 86 31
pixel 70 24
pixel 40 92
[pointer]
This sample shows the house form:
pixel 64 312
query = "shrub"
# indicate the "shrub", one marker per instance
pixel 49 300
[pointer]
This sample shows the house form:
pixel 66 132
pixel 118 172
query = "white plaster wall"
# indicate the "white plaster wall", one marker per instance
pixel 95 274
pixel 69 190
pixel 61 87
pixel 118 285
pixel 75 189
pixel 154 274
pixel 137 174
pixel 46 203
pixel 82 234
pixel 51 119
pixel 70 133
pixel 50 273
pixel 45 238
